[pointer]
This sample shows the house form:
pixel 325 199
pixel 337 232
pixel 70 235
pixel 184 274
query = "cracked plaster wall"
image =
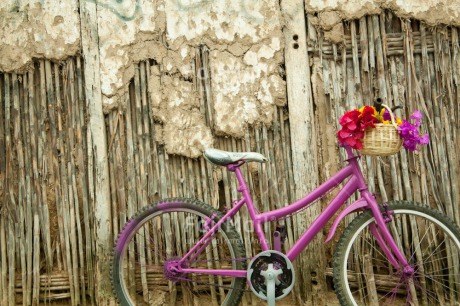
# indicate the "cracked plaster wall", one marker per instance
pixel 37 29
pixel 245 45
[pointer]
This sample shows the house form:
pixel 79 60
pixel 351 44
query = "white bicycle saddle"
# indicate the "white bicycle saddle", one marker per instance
pixel 224 158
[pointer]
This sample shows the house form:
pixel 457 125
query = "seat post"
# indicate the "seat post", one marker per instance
pixel 239 175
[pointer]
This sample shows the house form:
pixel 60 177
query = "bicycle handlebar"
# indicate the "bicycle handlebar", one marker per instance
pixel 378 105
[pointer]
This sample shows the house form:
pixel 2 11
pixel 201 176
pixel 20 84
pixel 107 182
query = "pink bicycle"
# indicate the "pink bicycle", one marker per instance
pixel 391 254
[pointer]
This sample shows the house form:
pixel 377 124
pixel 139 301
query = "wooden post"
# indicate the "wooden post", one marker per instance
pixel 303 142
pixel 97 151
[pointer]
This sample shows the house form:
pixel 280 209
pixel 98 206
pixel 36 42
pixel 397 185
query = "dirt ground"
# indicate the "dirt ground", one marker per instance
pixel 331 300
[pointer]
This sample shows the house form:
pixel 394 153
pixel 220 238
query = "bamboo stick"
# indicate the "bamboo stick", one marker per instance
pixel 354 44
pixel 73 238
pixel 73 205
pixel 370 281
pixel 207 86
pixel 111 122
pixel 380 58
pixel 2 147
pixel 155 165
pixel 286 178
pixel 350 86
pixel 263 184
pixel 18 144
pixel 87 212
pixel 449 159
pixel 36 265
pixel 4 262
pixel 32 136
pixel 233 190
pixel 11 247
pixel 443 165
pixel 119 169
pixel 414 158
pixel 221 146
pixel 364 46
pixel 66 197
pixel 80 257
pixel 27 214
pixel 131 172
pixel 52 124
pixel 45 155
pixel 140 156
pixel 326 77
pixel 149 188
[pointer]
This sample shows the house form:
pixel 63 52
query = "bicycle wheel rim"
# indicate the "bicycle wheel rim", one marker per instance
pixel 424 284
pixel 218 282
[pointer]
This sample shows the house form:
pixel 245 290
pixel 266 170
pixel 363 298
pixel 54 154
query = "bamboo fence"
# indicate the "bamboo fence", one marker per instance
pixel 47 220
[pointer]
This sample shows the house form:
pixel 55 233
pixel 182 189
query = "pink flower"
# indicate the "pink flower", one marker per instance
pixel 417 115
pixel 410 134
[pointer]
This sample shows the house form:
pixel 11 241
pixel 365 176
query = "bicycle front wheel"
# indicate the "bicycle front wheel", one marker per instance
pixel 163 233
pixel 430 241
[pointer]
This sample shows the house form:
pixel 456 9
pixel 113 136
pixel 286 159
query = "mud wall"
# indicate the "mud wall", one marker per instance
pixel 244 40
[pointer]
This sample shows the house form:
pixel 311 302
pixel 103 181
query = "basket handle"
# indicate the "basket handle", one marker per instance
pixel 392 116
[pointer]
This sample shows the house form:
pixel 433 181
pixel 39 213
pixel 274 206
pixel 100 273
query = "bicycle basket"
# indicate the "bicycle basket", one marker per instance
pixel 383 140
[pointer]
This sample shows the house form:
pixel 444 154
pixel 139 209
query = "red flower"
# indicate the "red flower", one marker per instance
pixel 351 139
pixel 350 120
pixel 368 118
pixel 352 130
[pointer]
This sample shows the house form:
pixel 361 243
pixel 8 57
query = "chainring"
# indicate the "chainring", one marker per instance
pixel 260 263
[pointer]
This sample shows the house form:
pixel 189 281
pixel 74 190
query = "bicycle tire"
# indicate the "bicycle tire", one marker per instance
pixel 362 275
pixel 138 259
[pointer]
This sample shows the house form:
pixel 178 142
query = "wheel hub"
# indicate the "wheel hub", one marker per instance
pixel 408 272
pixel 172 268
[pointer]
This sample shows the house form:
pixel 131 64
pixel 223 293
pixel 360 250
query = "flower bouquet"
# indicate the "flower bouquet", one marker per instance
pixel 373 132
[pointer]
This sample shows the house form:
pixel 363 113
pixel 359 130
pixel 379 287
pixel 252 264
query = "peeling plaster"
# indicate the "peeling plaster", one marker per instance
pixel 245 43
pixel 41 29
pixel 127 34
pixel 176 104
pixel 245 91
pixel 432 12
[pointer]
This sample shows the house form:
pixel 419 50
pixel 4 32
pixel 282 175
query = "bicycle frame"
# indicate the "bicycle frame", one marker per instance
pixel 355 183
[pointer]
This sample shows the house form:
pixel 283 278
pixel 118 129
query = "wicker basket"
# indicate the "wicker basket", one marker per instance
pixel 382 140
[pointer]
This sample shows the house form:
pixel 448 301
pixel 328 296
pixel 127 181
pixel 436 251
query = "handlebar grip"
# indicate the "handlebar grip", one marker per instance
pixel 396 107
pixel 378 104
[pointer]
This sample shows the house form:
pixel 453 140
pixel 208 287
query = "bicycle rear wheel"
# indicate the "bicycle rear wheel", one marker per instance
pixel 430 241
pixel 164 232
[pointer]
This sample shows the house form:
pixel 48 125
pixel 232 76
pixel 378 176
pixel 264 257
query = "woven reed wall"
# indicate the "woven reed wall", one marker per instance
pixel 46 181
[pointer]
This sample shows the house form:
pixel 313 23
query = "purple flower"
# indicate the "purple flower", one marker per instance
pixel 386 115
pixel 417 115
pixel 410 135
pixel 424 139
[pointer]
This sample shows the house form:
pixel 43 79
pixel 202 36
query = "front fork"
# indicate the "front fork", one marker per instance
pixel 384 238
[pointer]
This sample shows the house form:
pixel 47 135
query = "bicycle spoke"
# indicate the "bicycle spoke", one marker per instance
pixel 158 244
pixel 432 252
